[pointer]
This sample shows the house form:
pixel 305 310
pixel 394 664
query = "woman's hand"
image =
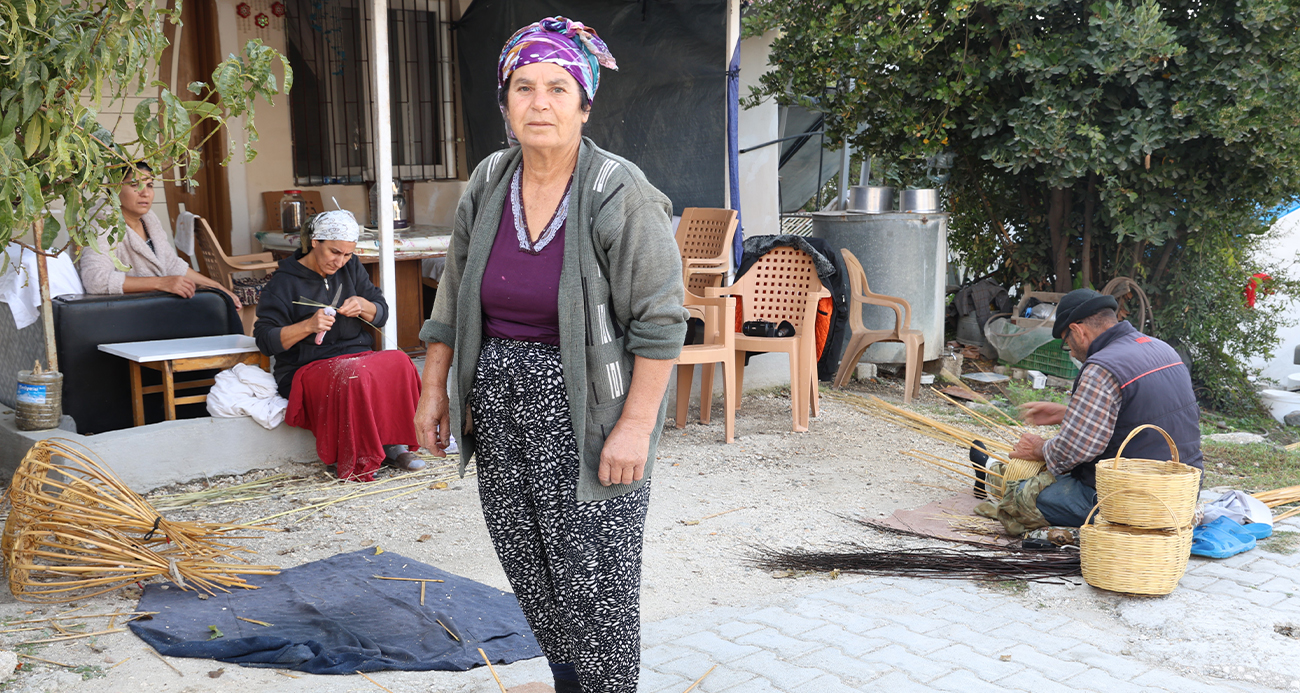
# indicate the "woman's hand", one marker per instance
pixel 433 413
pixel 181 286
pixel 1042 413
pixel 433 421
pixel 622 460
pixel 320 321
pixel 355 306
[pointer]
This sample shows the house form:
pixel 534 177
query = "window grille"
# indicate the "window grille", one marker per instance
pixel 331 103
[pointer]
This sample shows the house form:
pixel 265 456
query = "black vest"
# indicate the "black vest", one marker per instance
pixel 1157 389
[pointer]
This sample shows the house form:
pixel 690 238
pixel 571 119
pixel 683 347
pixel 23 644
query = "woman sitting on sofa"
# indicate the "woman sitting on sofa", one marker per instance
pixel 312 317
pixel 145 250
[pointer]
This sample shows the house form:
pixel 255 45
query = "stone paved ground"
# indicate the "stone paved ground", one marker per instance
pixel 1216 633
pixel 898 635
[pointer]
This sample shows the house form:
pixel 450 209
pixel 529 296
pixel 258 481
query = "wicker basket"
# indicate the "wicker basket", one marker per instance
pixel 1169 488
pixel 1016 470
pixel 1127 559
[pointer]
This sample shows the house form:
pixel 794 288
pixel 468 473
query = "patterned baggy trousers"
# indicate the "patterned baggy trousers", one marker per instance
pixel 575 566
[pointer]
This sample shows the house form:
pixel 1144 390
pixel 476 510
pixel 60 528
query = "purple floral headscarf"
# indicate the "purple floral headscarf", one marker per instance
pixel 569 44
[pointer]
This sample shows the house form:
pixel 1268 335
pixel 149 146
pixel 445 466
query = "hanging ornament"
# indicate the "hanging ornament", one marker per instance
pixel 245 11
pixel 277 8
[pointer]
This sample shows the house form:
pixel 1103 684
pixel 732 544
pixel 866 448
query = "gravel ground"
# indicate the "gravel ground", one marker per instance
pixel 710 502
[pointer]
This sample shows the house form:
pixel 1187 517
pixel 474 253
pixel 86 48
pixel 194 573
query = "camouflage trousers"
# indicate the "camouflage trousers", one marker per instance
pixel 1018 508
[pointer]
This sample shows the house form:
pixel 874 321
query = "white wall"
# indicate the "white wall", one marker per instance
pixel 759 194
pixel 1284 245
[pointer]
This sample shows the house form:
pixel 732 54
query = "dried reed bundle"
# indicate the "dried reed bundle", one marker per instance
pixel 966 563
pixel 76 530
pixel 1279 496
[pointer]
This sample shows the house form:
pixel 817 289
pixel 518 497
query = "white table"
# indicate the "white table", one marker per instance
pixel 171 356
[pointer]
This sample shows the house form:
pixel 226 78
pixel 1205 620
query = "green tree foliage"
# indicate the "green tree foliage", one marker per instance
pixel 65 61
pixel 1091 140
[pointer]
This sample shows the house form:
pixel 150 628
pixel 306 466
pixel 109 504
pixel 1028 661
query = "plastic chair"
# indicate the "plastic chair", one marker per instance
pixel 723 313
pixel 913 341
pixel 704 237
pixel 218 266
pixel 221 267
pixel 783 285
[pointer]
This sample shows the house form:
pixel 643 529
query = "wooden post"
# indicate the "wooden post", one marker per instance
pixel 47 309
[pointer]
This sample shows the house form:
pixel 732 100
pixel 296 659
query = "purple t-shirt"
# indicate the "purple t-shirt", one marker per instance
pixel 520 290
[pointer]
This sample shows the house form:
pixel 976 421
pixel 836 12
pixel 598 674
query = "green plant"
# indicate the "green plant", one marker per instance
pixel 1282 541
pixel 1021 391
pixel 1090 141
pixel 1251 467
pixel 62 64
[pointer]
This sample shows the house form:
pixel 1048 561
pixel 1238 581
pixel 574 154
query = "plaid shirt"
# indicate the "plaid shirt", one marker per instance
pixel 1089 422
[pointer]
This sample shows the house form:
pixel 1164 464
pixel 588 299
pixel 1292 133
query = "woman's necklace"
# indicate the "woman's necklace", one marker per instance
pixel 526 242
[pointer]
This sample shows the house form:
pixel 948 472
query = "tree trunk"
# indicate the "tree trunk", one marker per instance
pixel 1056 211
pixel 1089 205
pixel 47 309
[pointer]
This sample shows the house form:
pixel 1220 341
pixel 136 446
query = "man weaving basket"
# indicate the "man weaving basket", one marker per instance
pixel 1128 379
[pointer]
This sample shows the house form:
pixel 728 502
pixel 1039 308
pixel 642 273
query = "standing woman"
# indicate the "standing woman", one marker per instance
pixel 312 318
pixel 561 307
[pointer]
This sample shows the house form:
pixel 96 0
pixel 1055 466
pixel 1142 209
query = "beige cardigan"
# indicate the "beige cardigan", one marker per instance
pixel 101 276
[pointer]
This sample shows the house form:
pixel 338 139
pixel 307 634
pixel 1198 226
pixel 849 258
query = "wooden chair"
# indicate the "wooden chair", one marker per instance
pixel 913 341
pixel 218 266
pixel 723 312
pixel 783 285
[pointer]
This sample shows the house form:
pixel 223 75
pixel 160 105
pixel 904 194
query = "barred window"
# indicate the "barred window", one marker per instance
pixel 331 101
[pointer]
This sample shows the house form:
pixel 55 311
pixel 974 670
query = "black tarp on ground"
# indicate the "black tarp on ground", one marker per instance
pixel 664 109
pixel 333 617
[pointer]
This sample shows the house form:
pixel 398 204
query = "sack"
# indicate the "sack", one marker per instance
pixel 1014 343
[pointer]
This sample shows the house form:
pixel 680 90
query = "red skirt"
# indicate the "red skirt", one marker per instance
pixel 355 405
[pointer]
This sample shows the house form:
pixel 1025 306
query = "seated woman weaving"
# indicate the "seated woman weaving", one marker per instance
pixel 359 403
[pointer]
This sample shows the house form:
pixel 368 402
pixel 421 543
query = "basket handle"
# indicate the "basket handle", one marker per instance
pixel 1173 448
pixel 1168 509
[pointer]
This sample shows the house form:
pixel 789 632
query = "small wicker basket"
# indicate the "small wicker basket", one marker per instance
pixel 1169 488
pixel 1133 560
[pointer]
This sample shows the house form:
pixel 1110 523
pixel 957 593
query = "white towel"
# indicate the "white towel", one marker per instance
pixel 247 391
pixel 19 286
pixel 185 235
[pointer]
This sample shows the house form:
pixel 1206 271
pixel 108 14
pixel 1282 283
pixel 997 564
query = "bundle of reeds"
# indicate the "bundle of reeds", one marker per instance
pixel 997 442
pixel 974 560
pixel 1281 496
pixel 75 530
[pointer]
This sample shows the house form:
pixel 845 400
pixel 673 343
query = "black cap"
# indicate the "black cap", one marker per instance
pixel 1077 305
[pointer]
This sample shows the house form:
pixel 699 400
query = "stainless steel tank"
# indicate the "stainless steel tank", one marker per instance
pixel 903 254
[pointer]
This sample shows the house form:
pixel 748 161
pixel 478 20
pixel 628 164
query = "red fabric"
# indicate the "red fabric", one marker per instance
pixel 354 405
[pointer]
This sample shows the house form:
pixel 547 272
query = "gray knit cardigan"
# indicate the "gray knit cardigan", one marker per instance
pixel 620 296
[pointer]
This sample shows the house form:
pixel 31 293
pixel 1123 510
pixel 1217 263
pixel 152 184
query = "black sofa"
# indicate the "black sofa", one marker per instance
pixel 97 385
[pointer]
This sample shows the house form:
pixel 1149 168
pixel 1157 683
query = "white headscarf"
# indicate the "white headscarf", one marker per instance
pixel 338 225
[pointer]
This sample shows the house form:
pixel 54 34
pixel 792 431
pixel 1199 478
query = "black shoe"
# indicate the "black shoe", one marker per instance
pixel 978 460
pixel 567 687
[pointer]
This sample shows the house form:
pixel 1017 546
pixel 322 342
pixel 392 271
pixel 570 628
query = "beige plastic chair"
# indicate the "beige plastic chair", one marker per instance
pixel 783 285
pixel 704 237
pixel 721 308
pixel 913 341
pixel 218 266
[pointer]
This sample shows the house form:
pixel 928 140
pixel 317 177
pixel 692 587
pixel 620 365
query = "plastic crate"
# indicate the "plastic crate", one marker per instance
pixel 1050 359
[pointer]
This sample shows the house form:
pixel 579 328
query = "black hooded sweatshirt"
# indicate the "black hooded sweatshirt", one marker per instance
pixel 276 309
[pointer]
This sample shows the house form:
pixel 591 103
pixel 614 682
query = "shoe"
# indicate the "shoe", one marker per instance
pixel 1213 542
pixel 407 461
pixel 1251 530
pixel 979 460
